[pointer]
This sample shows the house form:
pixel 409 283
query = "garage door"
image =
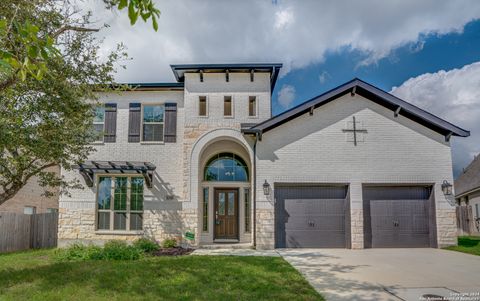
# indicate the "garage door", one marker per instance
pixel 309 216
pixel 397 217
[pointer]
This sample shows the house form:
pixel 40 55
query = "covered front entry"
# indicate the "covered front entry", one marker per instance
pixel 226 213
pixel 308 216
pixel 398 216
pixel 225 194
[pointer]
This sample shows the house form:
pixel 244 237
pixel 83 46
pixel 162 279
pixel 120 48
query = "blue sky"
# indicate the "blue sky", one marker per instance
pixel 430 54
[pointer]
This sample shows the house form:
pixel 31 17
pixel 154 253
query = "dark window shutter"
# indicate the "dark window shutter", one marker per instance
pixel 110 122
pixel 170 122
pixel 134 122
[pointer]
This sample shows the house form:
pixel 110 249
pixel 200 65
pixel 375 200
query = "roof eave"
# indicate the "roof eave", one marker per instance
pixel 273 68
pixel 351 86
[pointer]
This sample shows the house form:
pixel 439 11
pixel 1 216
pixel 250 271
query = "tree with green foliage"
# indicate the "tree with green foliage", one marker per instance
pixel 50 70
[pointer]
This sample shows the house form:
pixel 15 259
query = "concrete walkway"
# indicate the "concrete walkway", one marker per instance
pixel 236 252
pixel 388 274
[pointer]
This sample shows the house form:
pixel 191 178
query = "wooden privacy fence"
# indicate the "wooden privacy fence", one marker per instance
pixel 22 231
pixel 465 220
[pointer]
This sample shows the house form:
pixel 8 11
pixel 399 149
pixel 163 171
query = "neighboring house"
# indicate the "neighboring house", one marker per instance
pixel 30 199
pixel 202 159
pixel 467 190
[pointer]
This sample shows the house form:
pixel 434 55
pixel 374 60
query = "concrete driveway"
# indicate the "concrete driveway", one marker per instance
pixel 388 274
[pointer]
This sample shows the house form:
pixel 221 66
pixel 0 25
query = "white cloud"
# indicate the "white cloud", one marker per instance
pixel 296 33
pixel 324 76
pixel 286 96
pixel 283 18
pixel 454 96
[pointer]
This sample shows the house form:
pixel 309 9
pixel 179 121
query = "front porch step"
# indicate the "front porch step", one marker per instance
pixel 217 246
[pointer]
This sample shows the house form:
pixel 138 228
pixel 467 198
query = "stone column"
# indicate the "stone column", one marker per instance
pixel 356 211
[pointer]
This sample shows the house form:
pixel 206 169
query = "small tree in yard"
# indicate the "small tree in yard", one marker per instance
pixel 49 67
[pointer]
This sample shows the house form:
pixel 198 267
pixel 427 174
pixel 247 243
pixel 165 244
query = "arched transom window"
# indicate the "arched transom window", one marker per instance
pixel 226 167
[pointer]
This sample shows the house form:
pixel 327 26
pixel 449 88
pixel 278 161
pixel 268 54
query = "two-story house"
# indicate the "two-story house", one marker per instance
pixel 203 160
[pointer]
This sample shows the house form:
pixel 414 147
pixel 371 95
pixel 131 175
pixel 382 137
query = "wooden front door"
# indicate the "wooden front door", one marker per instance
pixel 226 213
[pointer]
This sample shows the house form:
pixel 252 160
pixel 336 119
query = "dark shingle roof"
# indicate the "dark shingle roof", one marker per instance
pixel 372 93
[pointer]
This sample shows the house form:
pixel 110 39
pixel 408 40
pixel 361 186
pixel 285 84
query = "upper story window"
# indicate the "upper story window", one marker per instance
pixel 99 123
pixel 202 106
pixel 252 106
pixel 226 167
pixel 227 106
pixel 152 123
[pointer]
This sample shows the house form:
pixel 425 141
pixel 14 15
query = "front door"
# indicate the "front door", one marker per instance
pixel 226 213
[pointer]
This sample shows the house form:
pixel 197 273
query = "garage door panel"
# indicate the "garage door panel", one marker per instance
pixel 420 224
pixel 295 207
pixel 410 240
pixel 397 216
pixel 315 239
pixel 382 223
pixel 330 223
pixel 310 216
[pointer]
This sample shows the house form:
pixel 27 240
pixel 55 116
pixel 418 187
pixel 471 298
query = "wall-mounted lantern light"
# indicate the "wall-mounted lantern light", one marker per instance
pixel 266 188
pixel 446 188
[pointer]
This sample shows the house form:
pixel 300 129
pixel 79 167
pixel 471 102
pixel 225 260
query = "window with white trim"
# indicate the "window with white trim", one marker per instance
pixel 120 203
pixel 252 106
pixel 202 106
pixel 227 106
pixel 152 123
pixel 205 210
pixel 248 210
pixel 99 123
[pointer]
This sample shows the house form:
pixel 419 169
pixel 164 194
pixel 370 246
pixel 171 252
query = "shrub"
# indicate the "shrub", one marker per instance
pixel 113 250
pixel 79 252
pixel 120 250
pixel 146 245
pixel 169 243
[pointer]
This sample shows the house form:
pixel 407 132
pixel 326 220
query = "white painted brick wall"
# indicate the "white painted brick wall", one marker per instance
pixel 314 149
pixel 215 88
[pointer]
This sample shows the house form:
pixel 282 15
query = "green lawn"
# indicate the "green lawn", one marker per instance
pixel 37 275
pixel 467 244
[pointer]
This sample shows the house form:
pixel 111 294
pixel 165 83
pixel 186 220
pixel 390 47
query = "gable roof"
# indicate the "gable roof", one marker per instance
pixel 273 68
pixel 469 180
pixel 372 93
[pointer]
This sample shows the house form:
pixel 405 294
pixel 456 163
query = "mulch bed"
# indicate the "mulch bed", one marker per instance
pixel 177 251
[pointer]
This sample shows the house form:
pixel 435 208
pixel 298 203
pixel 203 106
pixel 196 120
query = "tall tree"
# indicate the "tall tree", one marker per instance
pixel 49 71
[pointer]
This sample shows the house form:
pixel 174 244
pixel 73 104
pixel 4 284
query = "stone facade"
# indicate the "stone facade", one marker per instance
pixel 446 227
pixel 265 229
pixel 356 220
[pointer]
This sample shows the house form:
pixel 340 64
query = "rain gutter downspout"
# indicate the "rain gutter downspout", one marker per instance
pixel 255 191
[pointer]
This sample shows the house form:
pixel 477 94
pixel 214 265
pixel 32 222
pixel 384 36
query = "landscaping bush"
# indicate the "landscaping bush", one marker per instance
pixel 80 252
pixel 169 243
pixel 113 250
pixel 120 250
pixel 146 245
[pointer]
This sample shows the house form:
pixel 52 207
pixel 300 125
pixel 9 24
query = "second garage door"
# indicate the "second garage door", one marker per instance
pixel 397 216
pixel 308 216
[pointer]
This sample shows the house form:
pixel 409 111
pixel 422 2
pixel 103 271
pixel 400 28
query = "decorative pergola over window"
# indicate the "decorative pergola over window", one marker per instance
pixel 89 168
